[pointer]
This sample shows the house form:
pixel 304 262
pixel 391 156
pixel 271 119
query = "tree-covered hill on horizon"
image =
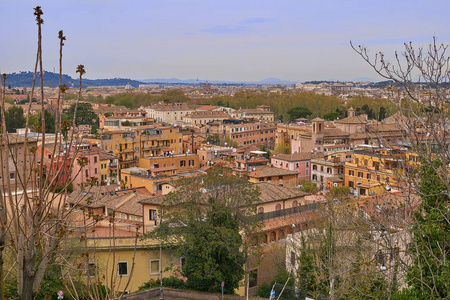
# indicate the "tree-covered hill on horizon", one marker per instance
pixel 25 79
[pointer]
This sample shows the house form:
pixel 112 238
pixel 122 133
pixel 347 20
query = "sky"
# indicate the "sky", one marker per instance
pixel 235 40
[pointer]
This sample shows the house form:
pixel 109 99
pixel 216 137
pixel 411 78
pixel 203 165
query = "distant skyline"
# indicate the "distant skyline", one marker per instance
pixel 233 40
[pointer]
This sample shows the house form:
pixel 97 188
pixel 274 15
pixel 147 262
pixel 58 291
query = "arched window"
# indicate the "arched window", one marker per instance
pixel 273 236
pixel 278 206
pixel 295 203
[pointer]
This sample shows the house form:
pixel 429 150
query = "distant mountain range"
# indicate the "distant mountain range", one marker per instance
pixel 51 79
pixel 194 81
pixel 25 79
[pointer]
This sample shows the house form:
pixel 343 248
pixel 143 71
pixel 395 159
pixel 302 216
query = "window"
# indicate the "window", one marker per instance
pixel 314 177
pixel 293 258
pixel 380 258
pixel 182 163
pixel 87 173
pixel 321 168
pixel 152 214
pixel 376 165
pixel 329 170
pixel 314 167
pixel 95 171
pixel 378 178
pixel 278 206
pixel 154 267
pixel 351 173
pixel 307 172
pixel 295 203
pixel 182 262
pixel 360 174
pixel 351 184
pixel 191 162
pixel 253 278
pixel 91 270
pixel 12 175
pixel 369 176
pixel 122 268
pixel 95 159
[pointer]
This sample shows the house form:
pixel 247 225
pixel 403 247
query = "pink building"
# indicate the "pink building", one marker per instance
pixel 299 162
pixel 86 166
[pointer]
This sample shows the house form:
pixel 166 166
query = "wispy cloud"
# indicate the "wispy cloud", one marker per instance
pixel 225 29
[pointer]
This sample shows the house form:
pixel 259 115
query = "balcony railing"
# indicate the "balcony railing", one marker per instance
pixel 289 211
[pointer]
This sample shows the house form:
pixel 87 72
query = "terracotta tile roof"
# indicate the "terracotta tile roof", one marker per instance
pixel 362 119
pixel 290 219
pixel 268 171
pixel 153 200
pixel 317 120
pixel 207 107
pixel 334 132
pixel 383 127
pixel 208 114
pixel 104 156
pixel 126 201
pixel 270 192
pixel 297 156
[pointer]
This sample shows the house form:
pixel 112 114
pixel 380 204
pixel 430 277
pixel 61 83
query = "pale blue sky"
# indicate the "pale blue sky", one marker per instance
pixel 296 40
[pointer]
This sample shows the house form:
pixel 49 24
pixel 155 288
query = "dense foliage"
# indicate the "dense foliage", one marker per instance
pixel 85 115
pixel 429 274
pixel 14 118
pixel 205 219
pixel 171 282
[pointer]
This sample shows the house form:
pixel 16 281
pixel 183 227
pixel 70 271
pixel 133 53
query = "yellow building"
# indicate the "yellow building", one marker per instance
pixel 108 168
pixel 122 144
pixel 273 175
pixel 180 162
pixel 126 263
pixel 157 172
pixel 158 141
pixel 144 141
pixel 329 169
pixel 376 171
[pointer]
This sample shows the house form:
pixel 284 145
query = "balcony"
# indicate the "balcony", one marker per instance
pixel 289 211
pixel 126 150
pixel 129 159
